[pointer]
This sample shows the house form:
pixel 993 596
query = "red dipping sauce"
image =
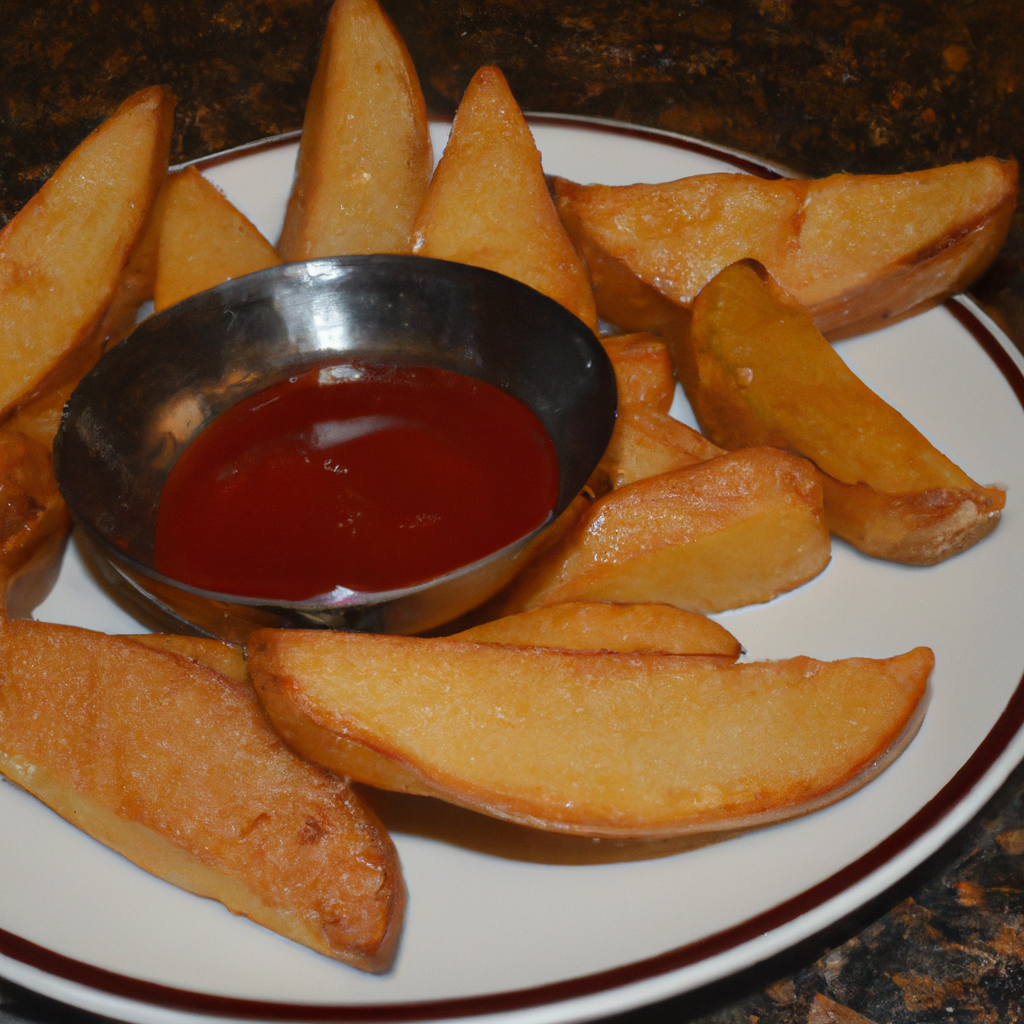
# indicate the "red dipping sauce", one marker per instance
pixel 366 477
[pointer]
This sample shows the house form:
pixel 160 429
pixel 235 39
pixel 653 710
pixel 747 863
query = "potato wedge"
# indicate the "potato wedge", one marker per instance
pixel 365 157
pixel 36 522
pixel 608 626
pixel 224 658
pixel 488 203
pixel 39 418
pixel 61 256
pixel 575 625
pixel 643 371
pixel 204 240
pixel 33 517
pixel 646 441
pixel 628 745
pixel 735 530
pixel 645 444
pixel 766 375
pixel 830 243
pixel 175 767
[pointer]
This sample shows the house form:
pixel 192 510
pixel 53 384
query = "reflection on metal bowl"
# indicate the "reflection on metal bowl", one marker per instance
pixel 131 418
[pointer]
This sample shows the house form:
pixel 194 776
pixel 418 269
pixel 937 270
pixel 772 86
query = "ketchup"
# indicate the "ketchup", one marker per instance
pixel 360 476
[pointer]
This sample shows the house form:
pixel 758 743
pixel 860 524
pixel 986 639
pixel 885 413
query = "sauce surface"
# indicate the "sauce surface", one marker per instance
pixel 359 476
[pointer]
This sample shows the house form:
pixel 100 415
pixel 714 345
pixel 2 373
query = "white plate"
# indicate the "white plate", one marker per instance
pixel 530 941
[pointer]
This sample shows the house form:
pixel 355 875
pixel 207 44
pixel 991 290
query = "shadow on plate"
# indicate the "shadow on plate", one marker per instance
pixel 434 819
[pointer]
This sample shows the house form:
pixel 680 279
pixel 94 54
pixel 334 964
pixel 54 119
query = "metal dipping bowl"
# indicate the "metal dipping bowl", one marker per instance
pixel 130 419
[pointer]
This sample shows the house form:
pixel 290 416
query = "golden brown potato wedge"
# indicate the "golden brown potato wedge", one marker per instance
pixel 62 255
pixel 175 767
pixel 365 156
pixel 204 240
pixel 766 375
pixel 631 304
pixel 488 203
pixel 830 243
pixel 628 745
pixel 643 371
pixel 37 522
pixel 645 444
pixel 33 517
pixel 224 658
pixel 608 626
pixel 39 418
pixel 646 441
pixel 734 530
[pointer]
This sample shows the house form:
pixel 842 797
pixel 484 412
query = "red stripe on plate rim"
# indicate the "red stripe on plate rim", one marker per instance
pixel 981 762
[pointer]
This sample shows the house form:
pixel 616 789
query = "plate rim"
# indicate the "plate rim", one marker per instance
pixel 644 981
pixel 746 162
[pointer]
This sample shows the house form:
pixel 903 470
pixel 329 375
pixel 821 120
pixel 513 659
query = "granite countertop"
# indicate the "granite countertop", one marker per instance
pixel 816 85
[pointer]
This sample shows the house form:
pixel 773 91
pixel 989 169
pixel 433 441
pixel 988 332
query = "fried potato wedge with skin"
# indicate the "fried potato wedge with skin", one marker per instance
pixel 488 204
pixel 224 658
pixel 830 242
pixel 735 530
pixel 643 371
pixel 646 444
pixel 176 768
pixel 365 156
pixel 646 441
pixel 33 516
pixel 37 520
pixel 626 745
pixel 204 240
pixel 40 417
pixel 61 256
pixel 608 626
pixel 766 375
pixel 920 528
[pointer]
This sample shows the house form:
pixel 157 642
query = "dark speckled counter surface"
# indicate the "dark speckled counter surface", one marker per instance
pixel 817 85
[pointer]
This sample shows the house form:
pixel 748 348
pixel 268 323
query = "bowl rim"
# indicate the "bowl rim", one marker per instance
pixel 323 271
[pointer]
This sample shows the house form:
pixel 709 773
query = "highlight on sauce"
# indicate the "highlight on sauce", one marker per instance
pixel 360 476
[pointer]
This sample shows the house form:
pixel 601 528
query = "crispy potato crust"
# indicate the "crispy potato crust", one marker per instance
pixel 599 744
pixel 766 375
pixel 608 626
pixel 488 203
pixel 62 255
pixel 175 767
pixel 204 240
pixel 830 242
pixel 33 516
pixel 365 157
pixel 734 530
